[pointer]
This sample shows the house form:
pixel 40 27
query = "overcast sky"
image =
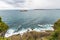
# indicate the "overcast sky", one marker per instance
pixel 29 4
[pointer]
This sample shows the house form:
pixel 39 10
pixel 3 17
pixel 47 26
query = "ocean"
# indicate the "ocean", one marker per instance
pixel 21 21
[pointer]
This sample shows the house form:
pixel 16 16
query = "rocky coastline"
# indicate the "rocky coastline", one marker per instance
pixel 32 35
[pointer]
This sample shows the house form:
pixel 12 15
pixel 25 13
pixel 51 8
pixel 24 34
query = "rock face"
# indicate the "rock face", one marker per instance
pixel 33 35
pixel 15 37
pixel 3 27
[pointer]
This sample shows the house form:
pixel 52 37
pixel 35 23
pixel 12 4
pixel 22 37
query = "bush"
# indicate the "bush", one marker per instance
pixel 56 34
pixel 3 26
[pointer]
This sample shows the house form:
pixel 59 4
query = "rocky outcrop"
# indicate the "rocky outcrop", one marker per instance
pixel 15 37
pixel 33 35
pixel 2 34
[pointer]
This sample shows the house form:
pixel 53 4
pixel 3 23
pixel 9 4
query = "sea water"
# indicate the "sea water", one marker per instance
pixel 20 22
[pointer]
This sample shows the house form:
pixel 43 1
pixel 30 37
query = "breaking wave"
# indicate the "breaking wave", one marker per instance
pixel 40 28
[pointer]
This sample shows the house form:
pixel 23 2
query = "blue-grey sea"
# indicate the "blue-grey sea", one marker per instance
pixel 18 20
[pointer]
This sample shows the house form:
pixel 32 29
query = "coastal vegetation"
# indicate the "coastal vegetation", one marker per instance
pixel 3 38
pixel 56 34
pixel 3 29
pixel 3 26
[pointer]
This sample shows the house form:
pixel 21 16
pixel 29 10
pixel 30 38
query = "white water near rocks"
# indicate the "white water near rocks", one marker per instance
pixel 43 28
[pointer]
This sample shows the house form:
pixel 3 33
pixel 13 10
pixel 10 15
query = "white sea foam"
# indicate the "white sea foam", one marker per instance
pixel 11 32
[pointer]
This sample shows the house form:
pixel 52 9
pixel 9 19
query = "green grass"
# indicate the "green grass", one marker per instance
pixel 2 38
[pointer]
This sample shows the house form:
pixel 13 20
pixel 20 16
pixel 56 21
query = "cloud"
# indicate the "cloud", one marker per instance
pixel 30 4
pixel 11 4
pixel 3 4
pixel 46 4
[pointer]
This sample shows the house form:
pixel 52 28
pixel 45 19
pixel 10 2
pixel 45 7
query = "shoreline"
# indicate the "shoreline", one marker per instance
pixel 31 35
pixel 11 32
pixel 40 28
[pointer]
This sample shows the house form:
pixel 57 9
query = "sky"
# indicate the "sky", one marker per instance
pixel 29 4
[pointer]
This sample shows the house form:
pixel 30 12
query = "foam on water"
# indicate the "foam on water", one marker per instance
pixel 11 32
